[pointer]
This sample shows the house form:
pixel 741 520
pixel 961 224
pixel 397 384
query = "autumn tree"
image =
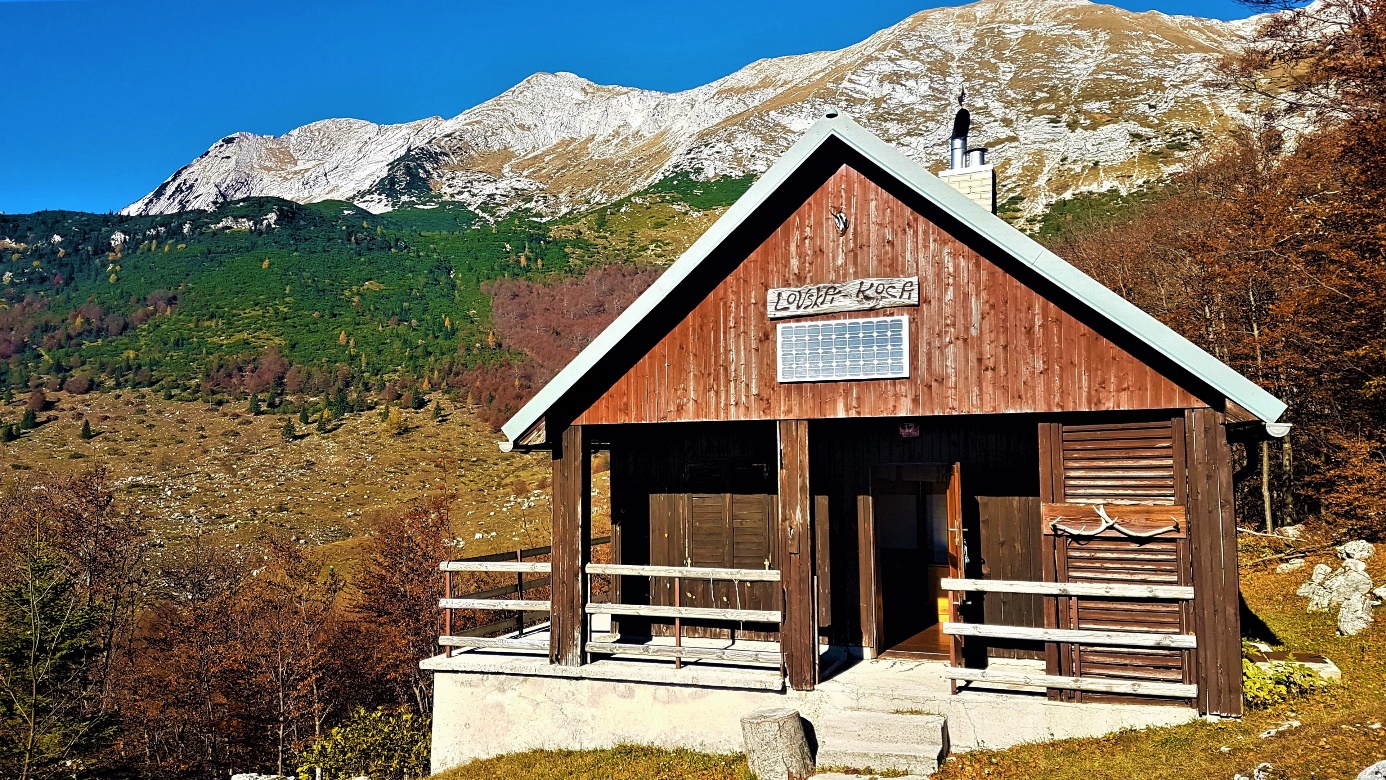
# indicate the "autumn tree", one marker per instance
pixel 1271 254
pixel 398 596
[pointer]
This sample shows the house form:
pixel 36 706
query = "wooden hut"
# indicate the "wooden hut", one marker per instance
pixel 930 436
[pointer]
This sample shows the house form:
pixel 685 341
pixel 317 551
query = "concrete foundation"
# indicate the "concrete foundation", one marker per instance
pixel 488 703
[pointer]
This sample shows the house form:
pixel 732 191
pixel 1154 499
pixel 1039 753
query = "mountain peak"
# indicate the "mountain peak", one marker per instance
pixel 1071 95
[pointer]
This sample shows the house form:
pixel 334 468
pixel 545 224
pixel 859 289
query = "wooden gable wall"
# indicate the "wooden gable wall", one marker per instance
pixel 982 340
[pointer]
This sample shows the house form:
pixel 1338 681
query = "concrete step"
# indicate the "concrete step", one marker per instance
pixel 877 757
pixel 882 741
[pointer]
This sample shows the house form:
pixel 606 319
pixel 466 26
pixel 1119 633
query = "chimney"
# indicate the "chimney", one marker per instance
pixel 968 170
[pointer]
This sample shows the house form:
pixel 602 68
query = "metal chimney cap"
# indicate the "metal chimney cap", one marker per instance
pixel 832 112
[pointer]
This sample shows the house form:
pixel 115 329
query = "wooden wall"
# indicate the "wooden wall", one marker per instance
pixel 983 340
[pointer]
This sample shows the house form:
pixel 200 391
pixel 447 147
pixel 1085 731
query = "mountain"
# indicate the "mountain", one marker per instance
pixel 1070 96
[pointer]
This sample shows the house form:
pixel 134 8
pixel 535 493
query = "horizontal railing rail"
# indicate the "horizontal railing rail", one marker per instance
pixel 1093 589
pixel 1075 636
pixel 1087 684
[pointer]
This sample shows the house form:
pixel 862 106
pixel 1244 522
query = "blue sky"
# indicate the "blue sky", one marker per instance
pixel 104 99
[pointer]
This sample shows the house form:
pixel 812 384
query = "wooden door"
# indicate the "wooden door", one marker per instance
pixel 716 530
pixel 869 577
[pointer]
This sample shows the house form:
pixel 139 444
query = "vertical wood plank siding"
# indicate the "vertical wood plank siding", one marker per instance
pixel 1213 546
pixel 982 340
pixel 572 547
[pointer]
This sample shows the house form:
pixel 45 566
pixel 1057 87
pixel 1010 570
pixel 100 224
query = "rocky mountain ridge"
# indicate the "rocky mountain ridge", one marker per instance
pixel 1070 95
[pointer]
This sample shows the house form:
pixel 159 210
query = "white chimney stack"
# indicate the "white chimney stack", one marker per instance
pixel 968 170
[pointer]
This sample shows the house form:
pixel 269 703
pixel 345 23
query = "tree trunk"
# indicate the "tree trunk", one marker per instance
pixel 776 748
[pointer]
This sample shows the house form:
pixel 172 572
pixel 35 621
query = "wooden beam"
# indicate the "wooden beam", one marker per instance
pixel 868 577
pixel 692 613
pixel 1076 636
pixel 799 634
pixel 1213 548
pixel 527 567
pixel 701 653
pixel 521 605
pixel 688 572
pixel 1092 684
pixel 1097 589
pixel 494 643
pixel 572 521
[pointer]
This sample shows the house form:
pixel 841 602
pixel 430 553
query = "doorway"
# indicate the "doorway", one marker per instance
pixel 913 522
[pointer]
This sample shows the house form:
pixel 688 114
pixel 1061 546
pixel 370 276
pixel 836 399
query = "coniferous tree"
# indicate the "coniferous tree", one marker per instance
pixel 29 421
pixel 254 407
pixel 47 638
pixel 290 432
pixel 86 433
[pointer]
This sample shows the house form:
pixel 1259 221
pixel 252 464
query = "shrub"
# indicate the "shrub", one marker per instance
pixel 1263 688
pixel 383 744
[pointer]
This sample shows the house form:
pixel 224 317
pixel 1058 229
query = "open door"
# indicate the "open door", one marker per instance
pixel 910 538
pixel 957 561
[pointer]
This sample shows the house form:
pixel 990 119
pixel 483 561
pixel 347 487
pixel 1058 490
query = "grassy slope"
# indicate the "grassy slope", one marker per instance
pixel 218 472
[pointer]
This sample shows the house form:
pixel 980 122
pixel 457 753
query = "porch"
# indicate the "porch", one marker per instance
pixel 491 701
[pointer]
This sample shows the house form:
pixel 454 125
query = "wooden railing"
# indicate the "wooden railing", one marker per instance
pixel 679 613
pixel 1080 636
pixel 528 612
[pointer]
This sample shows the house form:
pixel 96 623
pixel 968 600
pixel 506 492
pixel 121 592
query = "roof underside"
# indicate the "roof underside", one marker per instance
pixel 526 428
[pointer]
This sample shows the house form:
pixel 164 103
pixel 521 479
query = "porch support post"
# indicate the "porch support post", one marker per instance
pixel 572 547
pixel 1213 546
pixel 799 633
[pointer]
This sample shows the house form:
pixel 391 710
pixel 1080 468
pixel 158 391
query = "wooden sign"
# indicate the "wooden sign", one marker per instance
pixel 856 295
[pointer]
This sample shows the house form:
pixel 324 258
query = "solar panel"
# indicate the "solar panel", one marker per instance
pixel 875 348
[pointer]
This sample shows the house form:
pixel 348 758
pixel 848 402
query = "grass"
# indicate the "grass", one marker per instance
pixel 625 762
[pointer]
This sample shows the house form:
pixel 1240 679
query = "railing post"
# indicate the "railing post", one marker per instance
pixel 519 593
pixel 447 613
pixel 678 622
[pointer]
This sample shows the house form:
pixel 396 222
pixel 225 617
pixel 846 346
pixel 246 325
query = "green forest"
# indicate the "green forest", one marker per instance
pixel 269 296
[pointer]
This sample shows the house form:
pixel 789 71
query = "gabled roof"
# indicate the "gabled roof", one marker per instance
pixel 991 228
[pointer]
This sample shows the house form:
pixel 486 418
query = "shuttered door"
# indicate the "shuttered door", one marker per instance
pixel 1160 561
pixel 1124 465
pixel 715 530
pixel 1127 463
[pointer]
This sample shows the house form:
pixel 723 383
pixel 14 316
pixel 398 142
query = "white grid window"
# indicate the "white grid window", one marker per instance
pixel 876 348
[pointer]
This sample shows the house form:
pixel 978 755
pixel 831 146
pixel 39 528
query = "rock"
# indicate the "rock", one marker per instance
pixel 1291 531
pixel 1321 571
pixel 1348 581
pixel 1376 771
pixel 1294 564
pixel 1356 550
pixel 1355 615
pixel 1262 772
pixel 776 748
